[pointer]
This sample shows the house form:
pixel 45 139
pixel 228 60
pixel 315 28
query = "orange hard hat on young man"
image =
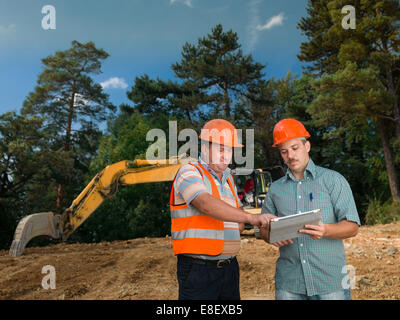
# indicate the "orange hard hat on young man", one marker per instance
pixel 220 131
pixel 288 129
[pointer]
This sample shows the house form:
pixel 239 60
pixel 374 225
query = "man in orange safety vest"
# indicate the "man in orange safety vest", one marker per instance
pixel 206 218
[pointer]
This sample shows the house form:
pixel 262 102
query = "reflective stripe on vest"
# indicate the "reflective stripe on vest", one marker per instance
pixel 192 231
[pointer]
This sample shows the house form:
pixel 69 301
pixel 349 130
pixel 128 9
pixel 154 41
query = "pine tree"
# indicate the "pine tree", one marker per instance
pixel 66 95
pixel 218 69
pixel 363 67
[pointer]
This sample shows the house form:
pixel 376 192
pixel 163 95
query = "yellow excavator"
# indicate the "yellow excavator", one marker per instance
pixel 104 186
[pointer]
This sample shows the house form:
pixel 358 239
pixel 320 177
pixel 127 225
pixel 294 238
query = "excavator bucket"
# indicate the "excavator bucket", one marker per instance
pixel 44 223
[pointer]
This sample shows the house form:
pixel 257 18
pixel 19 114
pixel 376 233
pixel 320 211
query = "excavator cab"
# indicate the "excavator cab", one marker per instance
pixel 252 186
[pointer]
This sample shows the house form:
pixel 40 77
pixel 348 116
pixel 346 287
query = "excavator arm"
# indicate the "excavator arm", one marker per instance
pixel 103 186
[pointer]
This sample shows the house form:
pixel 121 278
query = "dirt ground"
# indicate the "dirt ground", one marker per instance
pixel 146 268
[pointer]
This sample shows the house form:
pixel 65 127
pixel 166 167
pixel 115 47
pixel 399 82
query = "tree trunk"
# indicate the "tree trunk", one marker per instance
pixel 396 111
pixel 60 196
pixel 67 147
pixel 188 115
pixel 227 106
pixel 390 168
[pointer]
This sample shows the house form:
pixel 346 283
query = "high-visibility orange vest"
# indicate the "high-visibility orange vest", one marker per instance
pixel 193 232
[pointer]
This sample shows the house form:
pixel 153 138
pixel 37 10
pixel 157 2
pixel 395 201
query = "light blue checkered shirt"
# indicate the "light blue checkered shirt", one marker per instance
pixel 310 266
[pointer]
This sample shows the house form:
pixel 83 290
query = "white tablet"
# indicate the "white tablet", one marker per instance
pixel 287 227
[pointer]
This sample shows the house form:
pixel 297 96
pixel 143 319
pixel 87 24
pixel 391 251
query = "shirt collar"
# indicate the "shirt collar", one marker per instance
pixel 309 172
pixel 205 165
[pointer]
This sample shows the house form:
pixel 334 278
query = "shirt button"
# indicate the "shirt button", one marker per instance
pixel 304 261
pixel 299 197
pixel 301 244
pixel 299 182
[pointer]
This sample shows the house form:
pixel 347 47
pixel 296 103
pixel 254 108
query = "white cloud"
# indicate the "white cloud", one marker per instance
pixel 254 26
pixel 10 29
pixel 254 21
pixel 272 22
pixel 114 83
pixel 185 2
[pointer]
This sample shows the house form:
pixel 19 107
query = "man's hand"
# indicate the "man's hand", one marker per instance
pixel 315 232
pixel 264 232
pixel 282 243
pixel 259 220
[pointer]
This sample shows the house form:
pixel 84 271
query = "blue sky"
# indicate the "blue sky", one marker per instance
pixel 140 36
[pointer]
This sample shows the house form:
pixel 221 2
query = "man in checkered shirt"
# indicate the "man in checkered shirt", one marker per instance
pixel 313 266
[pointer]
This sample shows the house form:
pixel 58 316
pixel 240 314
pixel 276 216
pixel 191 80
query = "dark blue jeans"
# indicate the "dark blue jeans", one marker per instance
pixel 207 282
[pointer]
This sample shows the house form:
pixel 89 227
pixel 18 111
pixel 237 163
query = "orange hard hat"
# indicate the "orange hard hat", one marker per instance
pixel 220 131
pixel 288 129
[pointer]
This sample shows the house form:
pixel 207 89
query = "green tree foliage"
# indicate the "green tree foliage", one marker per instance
pixel 360 87
pixel 137 210
pixel 352 99
pixel 66 96
pixel 181 101
pixel 218 66
pixel 350 151
pixel 20 138
pixel 28 169
pixel 212 74
pixel 259 110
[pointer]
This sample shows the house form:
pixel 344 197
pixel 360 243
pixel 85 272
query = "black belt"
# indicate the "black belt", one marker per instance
pixel 216 263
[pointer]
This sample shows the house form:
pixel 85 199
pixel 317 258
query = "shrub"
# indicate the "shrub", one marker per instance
pixel 382 213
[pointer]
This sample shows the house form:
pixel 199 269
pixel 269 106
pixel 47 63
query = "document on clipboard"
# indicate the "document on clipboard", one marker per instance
pixel 287 227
